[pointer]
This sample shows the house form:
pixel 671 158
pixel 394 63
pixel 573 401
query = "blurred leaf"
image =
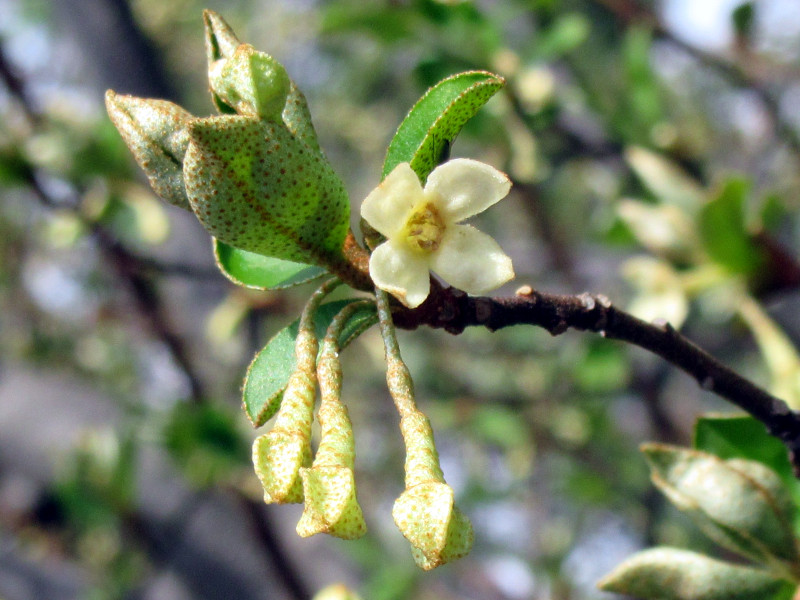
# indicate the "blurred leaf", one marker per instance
pixel 740 504
pixel 602 368
pixel 566 34
pixel 674 574
pixel 743 17
pixel 261 272
pixel 205 442
pixel 425 135
pixel 777 349
pixel 271 368
pixel 665 180
pixel 374 19
pixel 663 229
pixel 644 92
pixel 500 425
pixel 742 436
pixel 660 292
pixel 723 229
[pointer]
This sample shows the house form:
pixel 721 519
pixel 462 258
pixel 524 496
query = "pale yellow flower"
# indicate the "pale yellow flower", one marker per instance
pixel 423 230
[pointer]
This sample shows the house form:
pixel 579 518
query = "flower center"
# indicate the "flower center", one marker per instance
pixel 424 228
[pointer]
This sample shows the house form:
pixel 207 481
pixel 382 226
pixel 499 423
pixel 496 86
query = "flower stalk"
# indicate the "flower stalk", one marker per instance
pixel 279 454
pixel 425 512
pixel 329 484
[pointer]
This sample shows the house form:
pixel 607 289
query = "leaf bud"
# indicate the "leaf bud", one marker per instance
pixel 157 133
pixel 251 82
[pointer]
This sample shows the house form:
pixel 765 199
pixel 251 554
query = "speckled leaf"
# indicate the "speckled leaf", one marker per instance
pixel 424 137
pixel 742 436
pixel 156 131
pixel 742 505
pixel 256 187
pixel 674 574
pixel 271 368
pixel 260 272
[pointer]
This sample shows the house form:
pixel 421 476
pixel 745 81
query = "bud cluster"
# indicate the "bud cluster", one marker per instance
pixel 253 175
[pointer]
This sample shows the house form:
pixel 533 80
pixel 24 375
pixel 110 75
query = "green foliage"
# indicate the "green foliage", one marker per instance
pixel 261 272
pixel 724 232
pixel 206 443
pixel 425 135
pixel 673 574
pixel 739 436
pixel 270 370
pixel 277 198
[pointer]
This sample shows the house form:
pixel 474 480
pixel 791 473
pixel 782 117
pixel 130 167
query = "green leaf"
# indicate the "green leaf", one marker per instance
pixel 271 368
pixel 742 436
pixel 256 187
pixel 723 230
pixel 260 272
pixel 425 135
pixel 674 574
pixel 740 504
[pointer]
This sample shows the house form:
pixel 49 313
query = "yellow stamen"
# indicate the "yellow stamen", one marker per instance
pixel 424 228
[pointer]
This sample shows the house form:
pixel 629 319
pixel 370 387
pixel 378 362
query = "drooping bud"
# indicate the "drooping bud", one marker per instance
pixel 329 485
pixel 425 512
pixel 157 133
pixel 279 455
pixel 438 531
pixel 251 82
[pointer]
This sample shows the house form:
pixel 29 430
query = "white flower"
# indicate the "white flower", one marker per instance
pixel 423 231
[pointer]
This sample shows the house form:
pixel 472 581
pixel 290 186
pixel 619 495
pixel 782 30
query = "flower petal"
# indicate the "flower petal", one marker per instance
pixel 387 206
pixel 397 269
pixel 466 187
pixel 471 260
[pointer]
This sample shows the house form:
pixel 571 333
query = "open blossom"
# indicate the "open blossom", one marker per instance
pixel 423 230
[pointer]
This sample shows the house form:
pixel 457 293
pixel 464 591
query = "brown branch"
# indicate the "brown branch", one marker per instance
pixel 453 311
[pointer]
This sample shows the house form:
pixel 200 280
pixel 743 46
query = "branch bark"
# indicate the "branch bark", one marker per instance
pixel 453 311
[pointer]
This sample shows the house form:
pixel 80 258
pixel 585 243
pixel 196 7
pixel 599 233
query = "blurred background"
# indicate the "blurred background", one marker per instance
pixel 654 147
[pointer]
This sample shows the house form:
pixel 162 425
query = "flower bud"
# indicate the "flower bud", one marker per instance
pixel 437 530
pixel 251 82
pixel 157 133
pixel 329 485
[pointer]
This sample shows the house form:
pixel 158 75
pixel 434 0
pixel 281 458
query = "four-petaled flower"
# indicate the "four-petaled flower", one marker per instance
pixel 423 231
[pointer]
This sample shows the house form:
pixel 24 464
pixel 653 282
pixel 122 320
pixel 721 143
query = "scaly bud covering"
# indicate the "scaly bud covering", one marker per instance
pixel 279 454
pixel 157 133
pixel 425 512
pixel 253 83
pixel 329 485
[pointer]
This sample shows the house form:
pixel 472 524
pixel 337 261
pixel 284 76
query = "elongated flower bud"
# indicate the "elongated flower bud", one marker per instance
pixel 329 485
pixel 425 512
pixel 279 455
pixel 157 133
